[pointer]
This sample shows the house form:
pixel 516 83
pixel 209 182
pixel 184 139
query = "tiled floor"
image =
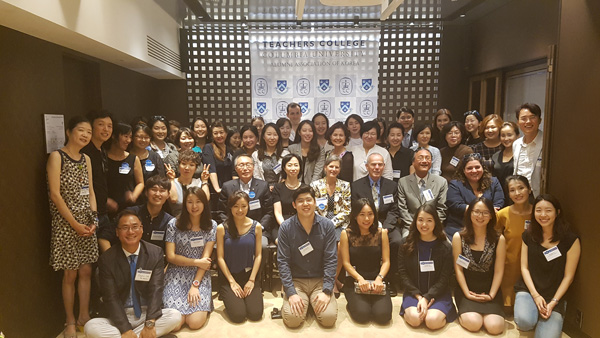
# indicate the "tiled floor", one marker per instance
pixel 219 326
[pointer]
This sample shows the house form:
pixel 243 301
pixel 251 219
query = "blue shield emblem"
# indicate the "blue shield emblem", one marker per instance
pixel 261 108
pixel 345 86
pixel 304 107
pixel 261 87
pixel 345 108
pixel 367 85
pixel 282 87
pixel 324 86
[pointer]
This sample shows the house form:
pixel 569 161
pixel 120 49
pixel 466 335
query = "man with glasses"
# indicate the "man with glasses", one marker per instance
pixel 527 150
pixel 420 188
pixel 369 132
pixel 132 282
pixel 260 206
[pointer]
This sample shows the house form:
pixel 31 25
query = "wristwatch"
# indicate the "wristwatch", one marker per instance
pixel 327 292
pixel 149 324
pixel 380 276
pixel 196 283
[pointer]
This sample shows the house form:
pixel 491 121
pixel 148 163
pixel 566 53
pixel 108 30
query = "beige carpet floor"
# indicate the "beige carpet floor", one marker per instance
pixel 218 325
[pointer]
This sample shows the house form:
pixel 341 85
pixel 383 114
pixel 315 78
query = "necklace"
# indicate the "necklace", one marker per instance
pixel 292 187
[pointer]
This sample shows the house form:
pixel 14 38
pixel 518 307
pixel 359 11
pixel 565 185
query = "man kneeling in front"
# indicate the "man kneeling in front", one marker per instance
pixel 307 258
pixel 131 285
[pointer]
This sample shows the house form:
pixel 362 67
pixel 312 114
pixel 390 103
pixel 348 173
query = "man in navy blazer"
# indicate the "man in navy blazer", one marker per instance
pixel 386 200
pixel 133 310
pixel 261 207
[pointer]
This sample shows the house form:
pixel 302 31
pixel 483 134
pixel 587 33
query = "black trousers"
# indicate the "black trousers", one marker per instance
pixel 238 309
pixel 364 308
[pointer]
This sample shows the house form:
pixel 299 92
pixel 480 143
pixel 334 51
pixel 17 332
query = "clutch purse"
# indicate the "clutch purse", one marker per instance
pixel 358 291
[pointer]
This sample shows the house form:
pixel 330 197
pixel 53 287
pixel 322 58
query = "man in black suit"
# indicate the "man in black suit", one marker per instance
pixel 382 192
pixel 261 207
pixel 134 310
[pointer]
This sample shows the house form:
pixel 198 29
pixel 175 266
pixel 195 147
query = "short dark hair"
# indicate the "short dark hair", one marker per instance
pixel 189 155
pixel 404 110
pixel 292 105
pixel 126 212
pixel 418 129
pixel 98 114
pixel 118 130
pixel 461 128
pixel 394 125
pixel 304 189
pixel 155 119
pixel 142 127
pixel 208 132
pixel 184 130
pixel 474 113
pixel 368 126
pixel 159 180
pixel 532 107
pixel 356 117
pixel 337 125
pixel 286 159
pixel 74 121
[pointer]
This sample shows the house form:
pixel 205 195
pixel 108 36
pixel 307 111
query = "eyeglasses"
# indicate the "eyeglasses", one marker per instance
pixel 478 213
pixel 134 228
pixel 245 165
pixel 144 138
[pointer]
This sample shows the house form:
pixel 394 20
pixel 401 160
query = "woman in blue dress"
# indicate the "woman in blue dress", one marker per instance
pixel 188 246
pixel 425 267
pixel 239 251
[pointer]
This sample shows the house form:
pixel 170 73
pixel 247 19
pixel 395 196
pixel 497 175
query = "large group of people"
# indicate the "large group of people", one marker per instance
pixel 358 207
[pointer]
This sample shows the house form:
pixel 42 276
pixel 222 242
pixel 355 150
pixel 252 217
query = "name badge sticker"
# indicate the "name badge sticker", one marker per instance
pixel 157 235
pixel 387 199
pixel 124 169
pixel 321 203
pixel 527 224
pixel 248 269
pixel 463 261
pixel 305 248
pixel 252 194
pixel 397 173
pixel 428 195
pixel 85 190
pixel 149 165
pixel 552 253
pixel 254 205
pixel 454 161
pixel 426 266
pixel 277 169
pixel 196 242
pixel 143 275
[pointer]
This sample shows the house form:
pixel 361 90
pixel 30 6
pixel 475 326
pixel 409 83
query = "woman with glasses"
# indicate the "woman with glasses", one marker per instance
pixel 455 134
pixel 479 253
pixel 473 180
pixel 188 247
pixel 74 220
pixel 159 127
pixel 151 162
pixel 471 120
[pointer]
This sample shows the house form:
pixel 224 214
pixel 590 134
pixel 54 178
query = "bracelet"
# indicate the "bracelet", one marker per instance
pixel 380 276
pixel 554 299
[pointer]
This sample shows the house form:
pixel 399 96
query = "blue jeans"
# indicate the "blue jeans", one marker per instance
pixel 527 318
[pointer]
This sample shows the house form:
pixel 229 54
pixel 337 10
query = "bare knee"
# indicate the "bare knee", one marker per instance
pixel 411 316
pixel 494 324
pixel 69 276
pixel 435 319
pixel 196 320
pixel 471 321
pixel 85 272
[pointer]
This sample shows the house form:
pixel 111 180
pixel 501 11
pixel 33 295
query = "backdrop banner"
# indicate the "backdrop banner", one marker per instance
pixel 325 71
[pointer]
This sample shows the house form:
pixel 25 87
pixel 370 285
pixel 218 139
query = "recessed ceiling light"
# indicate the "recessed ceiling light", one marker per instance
pixel 463 15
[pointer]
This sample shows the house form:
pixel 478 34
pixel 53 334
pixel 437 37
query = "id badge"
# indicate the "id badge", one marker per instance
pixel 277 169
pixel 305 248
pixel 85 190
pixel 149 166
pixel 143 275
pixel 428 195
pixel 254 205
pixel 426 266
pixel 463 261
pixel 387 199
pixel 397 173
pixel 157 235
pixel 552 253
pixel 124 169
pixel 454 161
pixel 196 242
pixel 321 203
pixel 527 224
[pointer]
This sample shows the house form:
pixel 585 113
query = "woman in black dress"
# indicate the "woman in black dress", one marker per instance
pixel 283 191
pixel 365 254
pixel 503 162
pixel 338 136
pixel 479 254
pixel 151 162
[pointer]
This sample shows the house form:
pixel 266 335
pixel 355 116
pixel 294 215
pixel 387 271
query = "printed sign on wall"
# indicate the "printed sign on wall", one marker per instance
pixel 325 71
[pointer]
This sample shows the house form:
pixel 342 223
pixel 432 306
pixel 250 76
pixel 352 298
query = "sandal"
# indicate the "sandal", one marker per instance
pixel 80 325
pixel 72 334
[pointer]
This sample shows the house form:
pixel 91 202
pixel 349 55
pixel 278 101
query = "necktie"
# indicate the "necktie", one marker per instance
pixel 375 195
pixel 422 186
pixel 136 304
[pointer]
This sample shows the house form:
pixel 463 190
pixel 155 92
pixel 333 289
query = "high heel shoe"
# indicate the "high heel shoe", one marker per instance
pixel 72 334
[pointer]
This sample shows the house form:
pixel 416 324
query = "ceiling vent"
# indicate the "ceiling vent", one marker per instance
pixel 162 53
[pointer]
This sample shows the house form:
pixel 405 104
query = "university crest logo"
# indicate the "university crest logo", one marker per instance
pixel 345 86
pixel 282 87
pixel 281 108
pixel 366 86
pixel 261 87
pixel 303 87
pixel 324 86
pixel 324 107
pixel 261 108
pixel 367 108
pixel 344 108
pixel 304 107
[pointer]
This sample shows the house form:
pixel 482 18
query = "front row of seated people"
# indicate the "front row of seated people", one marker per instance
pixel 308 249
